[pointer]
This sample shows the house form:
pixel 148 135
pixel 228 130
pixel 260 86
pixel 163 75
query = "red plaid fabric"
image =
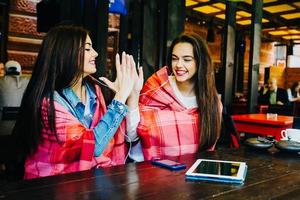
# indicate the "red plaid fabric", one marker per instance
pixel 75 149
pixel 166 128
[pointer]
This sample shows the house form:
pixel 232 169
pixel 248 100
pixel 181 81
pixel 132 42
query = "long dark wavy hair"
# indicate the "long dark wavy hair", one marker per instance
pixel 59 65
pixel 205 89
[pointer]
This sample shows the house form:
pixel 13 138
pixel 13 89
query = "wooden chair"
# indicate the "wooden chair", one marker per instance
pixel 296 109
pixel 229 136
pixel 281 109
pixel 296 122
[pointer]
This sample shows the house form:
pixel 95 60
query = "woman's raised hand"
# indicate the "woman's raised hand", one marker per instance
pixel 138 79
pixel 126 78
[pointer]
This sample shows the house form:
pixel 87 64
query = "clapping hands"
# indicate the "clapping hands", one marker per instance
pixel 128 82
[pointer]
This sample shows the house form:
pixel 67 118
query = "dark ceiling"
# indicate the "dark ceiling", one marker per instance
pixel 281 18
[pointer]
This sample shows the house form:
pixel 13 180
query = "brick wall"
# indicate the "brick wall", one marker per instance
pixel 23 39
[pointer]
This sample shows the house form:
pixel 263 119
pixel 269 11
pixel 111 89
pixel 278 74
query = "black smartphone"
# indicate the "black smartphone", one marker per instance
pixel 169 164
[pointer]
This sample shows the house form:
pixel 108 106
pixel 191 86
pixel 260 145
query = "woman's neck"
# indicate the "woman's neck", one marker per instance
pixel 186 88
pixel 80 91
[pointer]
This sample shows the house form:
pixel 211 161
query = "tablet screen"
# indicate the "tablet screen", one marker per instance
pixel 217 168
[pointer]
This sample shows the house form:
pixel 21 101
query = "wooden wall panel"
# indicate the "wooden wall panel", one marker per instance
pixel 292 75
pixel 24 25
pixel 24 44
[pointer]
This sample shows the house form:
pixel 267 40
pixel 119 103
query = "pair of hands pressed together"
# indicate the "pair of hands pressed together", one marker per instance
pixel 128 83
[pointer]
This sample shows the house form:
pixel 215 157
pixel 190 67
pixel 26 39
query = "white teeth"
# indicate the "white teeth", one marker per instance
pixel 181 72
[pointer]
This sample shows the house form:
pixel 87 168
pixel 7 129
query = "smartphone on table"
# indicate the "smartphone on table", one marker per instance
pixel 168 164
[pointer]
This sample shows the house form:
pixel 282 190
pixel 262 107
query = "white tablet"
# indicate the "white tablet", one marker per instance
pixel 217 170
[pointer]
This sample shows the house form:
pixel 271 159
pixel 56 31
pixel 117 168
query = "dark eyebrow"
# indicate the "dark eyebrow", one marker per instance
pixel 186 56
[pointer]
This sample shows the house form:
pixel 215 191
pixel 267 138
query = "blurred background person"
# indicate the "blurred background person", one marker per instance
pixel 293 92
pixel 274 95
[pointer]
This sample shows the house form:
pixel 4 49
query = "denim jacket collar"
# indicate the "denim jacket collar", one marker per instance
pixel 74 99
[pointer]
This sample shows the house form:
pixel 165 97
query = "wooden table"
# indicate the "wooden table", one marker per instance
pixel 271 174
pixel 260 124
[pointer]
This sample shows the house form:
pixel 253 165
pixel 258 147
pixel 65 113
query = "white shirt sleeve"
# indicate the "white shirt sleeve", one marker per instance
pixel 289 92
pixel 132 121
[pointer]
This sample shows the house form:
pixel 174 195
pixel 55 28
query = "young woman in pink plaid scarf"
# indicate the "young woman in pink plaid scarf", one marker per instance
pixel 64 125
pixel 180 111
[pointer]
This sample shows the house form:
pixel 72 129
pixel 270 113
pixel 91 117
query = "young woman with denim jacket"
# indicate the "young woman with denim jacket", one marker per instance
pixel 64 125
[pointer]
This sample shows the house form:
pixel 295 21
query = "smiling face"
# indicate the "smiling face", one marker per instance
pixel 89 57
pixel 272 84
pixel 183 62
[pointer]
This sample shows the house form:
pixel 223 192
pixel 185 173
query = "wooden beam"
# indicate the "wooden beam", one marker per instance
pixel 4 31
pixel 254 58
pixel 206 3
pixel 176 19
pixel 268 37
pixel 228 49
pixel 203 17
pixel 266 15
pixel 124 30
pixel 291 23
pixel 101 34
pixel 24 40
pixel 287 12
pixel 150 45
pixel 279 2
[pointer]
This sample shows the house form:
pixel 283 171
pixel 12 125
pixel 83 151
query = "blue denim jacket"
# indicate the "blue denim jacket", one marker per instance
pixel 107 126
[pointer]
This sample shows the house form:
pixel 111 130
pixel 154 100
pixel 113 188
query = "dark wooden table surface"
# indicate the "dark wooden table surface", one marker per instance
pixel 271 175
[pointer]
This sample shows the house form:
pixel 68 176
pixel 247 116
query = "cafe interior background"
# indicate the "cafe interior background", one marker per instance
pixel 146 29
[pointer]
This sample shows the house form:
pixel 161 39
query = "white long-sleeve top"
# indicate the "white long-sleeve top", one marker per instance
pixel 133 119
